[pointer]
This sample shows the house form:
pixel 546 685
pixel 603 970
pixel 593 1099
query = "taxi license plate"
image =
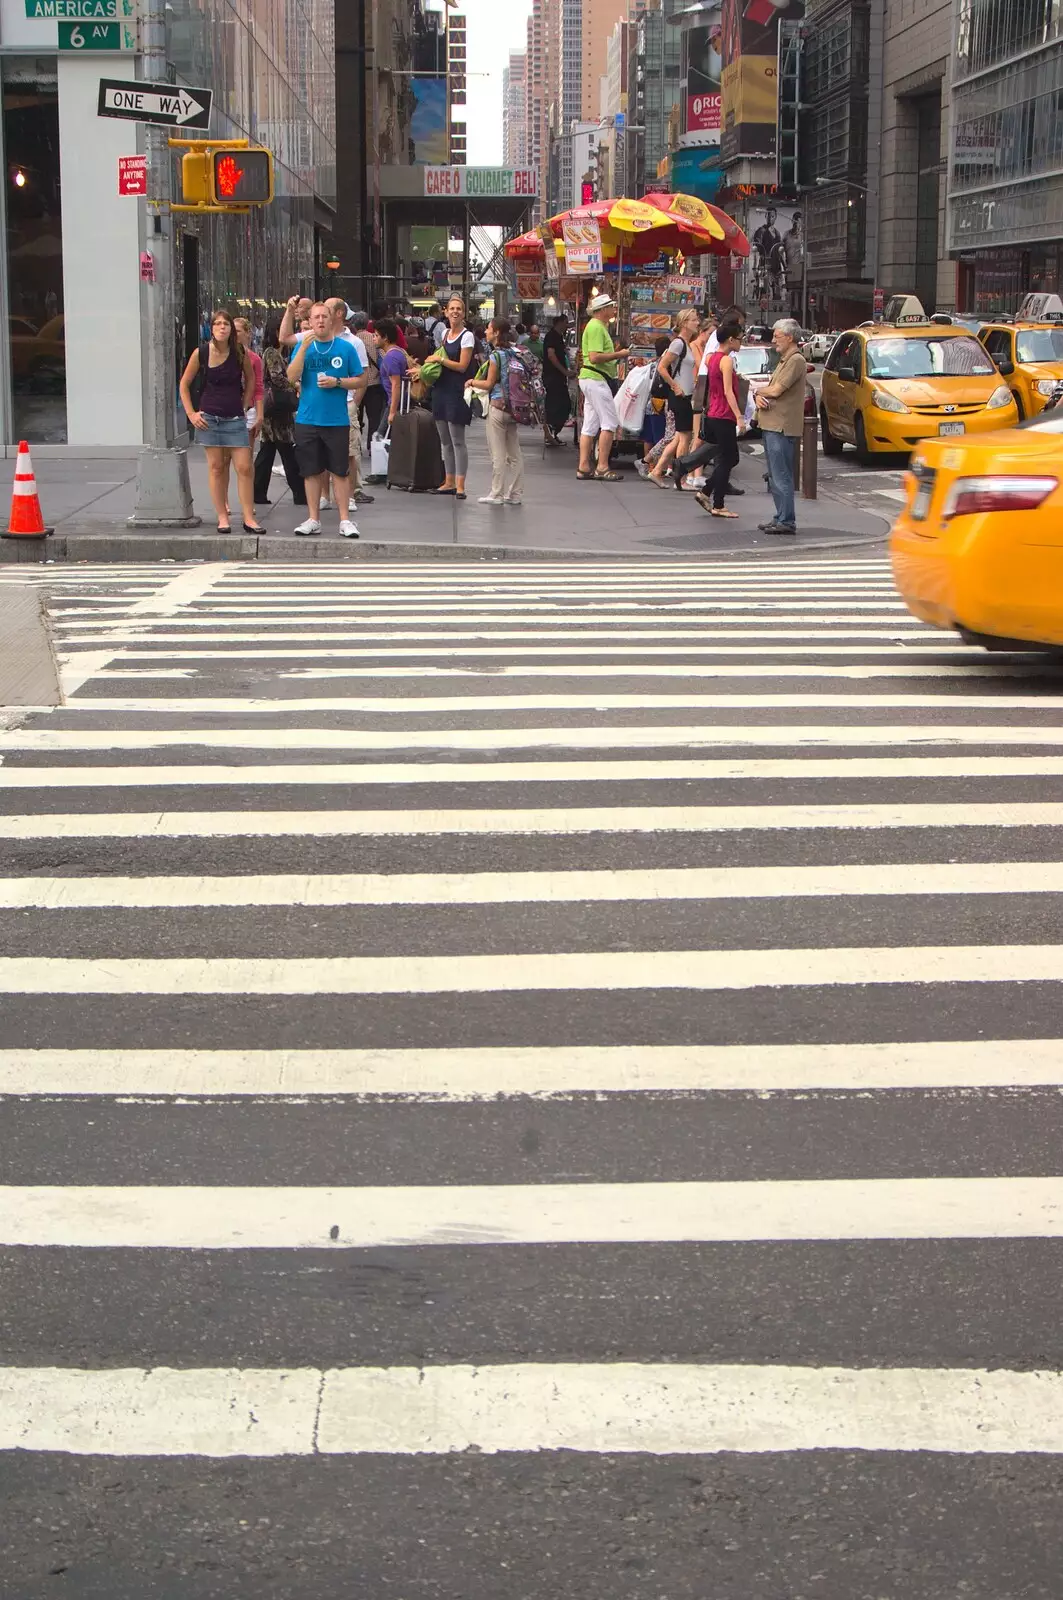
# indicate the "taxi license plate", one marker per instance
pixel 950 427
pixel 921 503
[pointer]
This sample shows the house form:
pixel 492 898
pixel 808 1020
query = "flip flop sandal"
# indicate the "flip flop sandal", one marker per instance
pixel 718 511
pixel 609 477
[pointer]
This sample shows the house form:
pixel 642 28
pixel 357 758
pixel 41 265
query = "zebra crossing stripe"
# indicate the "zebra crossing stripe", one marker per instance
pixel 187 1217
pixel 581 820
pixel 526 888
pixel 354 774
pixel 434 705
pixel 499 974
pixel 471 1074
pixel 659 1409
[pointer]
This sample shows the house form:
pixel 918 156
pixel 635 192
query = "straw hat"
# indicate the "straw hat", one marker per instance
pixel 599 303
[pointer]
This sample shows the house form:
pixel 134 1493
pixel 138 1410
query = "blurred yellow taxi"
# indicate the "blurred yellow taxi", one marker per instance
pixel 886 389
pixel 1029 356
pixel 979 544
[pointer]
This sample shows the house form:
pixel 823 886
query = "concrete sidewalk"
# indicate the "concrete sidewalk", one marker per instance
pixel 88 499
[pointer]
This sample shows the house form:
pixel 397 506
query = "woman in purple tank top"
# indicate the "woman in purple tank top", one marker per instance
pixel 723 418
pixel 226 393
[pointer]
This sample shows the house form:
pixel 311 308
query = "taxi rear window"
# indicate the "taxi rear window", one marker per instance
pixel 927 358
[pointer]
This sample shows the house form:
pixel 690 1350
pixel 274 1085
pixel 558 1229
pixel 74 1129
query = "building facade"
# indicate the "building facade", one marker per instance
pixel 515 111
pixel 1005 204
pixel 71 267
pixel 655 98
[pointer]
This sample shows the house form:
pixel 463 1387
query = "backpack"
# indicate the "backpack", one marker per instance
pixel 661 390
pixel 281 399
pixel 522 392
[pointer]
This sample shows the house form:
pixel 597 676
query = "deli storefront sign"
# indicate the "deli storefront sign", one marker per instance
pixel 477 183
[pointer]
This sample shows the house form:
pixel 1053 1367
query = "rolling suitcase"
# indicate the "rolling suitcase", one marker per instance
pixel 415 460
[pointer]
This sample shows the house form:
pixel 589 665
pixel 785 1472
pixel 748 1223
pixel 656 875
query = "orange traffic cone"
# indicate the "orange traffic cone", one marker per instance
pixel 27 519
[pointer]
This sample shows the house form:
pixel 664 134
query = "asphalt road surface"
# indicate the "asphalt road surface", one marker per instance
pixel 530 1082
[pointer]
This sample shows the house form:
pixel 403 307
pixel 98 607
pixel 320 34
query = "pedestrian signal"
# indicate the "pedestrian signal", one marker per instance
pixel 243 177
pixel 228 179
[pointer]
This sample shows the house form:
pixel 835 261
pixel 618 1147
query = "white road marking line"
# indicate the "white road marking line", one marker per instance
pixel 605 971
pixel 88 665
pixel 186 587
pixel 869 643
pixel 418 705
pixel 665 1409
pixel 526 888
pixel 827 616
pixel 463 1074
pixel 637 737
pixel 189 1217
pixel 352 775
pixel 588 819
pixel 655 670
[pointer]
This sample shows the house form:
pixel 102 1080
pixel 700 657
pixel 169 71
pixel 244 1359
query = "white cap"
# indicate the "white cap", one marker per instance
pixel 599 303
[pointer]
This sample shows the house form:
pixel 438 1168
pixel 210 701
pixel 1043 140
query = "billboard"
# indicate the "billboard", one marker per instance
pixel 704 58
pixel 429 130
pixel 750 77
pixel 776 258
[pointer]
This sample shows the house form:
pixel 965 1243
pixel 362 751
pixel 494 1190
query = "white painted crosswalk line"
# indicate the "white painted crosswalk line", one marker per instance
pixel 464 1074
pixel 669 1409
pixel 234 1218
pixel 508 973
pixel 582 820
pixel 636 700
pixel 500 888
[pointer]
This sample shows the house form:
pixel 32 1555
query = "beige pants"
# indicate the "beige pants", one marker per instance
pixel 507 479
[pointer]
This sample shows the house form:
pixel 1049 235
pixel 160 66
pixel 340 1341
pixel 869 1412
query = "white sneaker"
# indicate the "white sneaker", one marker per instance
pixel 277 470
pixel 491 500
pixel 326 503
pixel 352 505
pixel 309 526
pixel 641 468
pixel 348 529
pixel 696 483
pixel 511 501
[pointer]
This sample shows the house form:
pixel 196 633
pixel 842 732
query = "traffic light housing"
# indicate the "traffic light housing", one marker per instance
pixel 225 177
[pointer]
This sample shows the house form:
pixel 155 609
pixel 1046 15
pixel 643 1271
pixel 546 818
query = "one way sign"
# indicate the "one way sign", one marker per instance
pixel 155 102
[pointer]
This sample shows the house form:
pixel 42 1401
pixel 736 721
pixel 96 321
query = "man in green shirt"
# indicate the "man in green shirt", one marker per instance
pixel 599 359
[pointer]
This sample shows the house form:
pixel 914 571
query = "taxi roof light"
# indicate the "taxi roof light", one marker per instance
pixel 970 497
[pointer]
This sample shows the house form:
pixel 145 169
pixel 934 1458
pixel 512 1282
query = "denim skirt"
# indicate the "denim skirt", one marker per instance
pixel 225 433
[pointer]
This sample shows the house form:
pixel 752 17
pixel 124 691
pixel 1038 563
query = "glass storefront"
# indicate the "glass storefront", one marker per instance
pixel 272 69
pixel 34 249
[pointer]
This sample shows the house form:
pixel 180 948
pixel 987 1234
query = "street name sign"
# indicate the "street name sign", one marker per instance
pixel 121 36
pixel 79 10
pixel 156 103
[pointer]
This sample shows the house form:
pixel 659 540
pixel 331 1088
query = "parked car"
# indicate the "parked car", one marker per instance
pixel 979 544
pixel 885 390
pixel 819 346
pixel 38 355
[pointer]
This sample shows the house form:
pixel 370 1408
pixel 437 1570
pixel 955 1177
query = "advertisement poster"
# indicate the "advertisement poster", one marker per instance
pixel 776 258
pixel 529 285
pixel 750 77
pixel 704 49
pixel 431 147
pixel 583 246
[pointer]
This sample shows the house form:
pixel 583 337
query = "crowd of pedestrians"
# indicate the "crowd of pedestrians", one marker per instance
pixel 320 382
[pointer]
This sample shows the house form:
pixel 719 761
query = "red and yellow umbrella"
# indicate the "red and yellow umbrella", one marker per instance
pixel 619 221
pixel 700 231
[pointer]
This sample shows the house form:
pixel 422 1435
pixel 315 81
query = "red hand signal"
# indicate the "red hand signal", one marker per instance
pixel 228 177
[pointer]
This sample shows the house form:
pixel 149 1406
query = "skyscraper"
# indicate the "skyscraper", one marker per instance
pixel 515 110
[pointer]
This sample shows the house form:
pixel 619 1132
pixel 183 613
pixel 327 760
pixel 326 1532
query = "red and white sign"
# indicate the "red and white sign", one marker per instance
pixel 132 174
pixel 704 113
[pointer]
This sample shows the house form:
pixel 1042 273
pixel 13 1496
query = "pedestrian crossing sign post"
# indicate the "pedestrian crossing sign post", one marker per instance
pixel 226 175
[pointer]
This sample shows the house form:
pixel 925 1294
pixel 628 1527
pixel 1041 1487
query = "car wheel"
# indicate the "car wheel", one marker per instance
pixel 831 445
pixel 863 454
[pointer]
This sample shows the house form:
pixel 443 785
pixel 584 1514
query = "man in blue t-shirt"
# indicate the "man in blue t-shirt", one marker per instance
pixel 325 368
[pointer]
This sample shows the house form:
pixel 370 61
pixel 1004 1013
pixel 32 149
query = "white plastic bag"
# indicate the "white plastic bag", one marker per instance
pixel 633 398
pixel 379 455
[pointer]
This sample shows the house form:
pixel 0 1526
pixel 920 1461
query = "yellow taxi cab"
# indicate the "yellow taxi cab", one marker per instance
pixel 979 544
pixel 887 387
pixel 1029 356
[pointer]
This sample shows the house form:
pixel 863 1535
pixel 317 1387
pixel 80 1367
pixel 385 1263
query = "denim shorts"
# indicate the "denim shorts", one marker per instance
pixel 224 433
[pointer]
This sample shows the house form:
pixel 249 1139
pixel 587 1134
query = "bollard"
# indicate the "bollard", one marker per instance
pixel 810 458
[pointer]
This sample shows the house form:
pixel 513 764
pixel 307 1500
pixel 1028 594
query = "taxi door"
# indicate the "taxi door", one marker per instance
pixel 845 365
pixel 1000 345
